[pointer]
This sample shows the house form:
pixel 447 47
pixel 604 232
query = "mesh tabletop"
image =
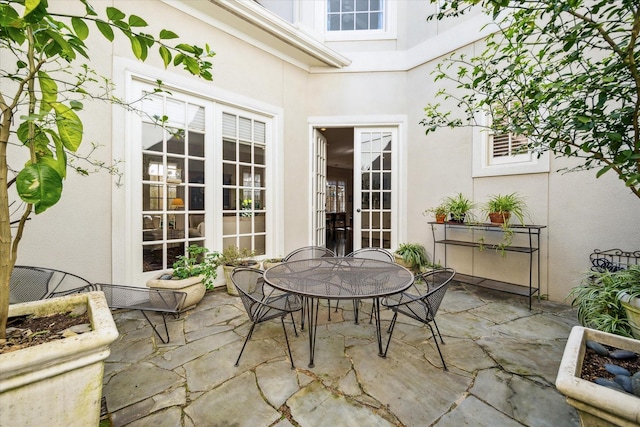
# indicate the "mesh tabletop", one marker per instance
pixel 339 278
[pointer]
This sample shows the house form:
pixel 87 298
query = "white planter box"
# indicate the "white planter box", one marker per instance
pixel 597 405
pixel 58 383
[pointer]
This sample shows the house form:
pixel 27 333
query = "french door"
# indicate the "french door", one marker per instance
pixel 320 189
pixel 375 187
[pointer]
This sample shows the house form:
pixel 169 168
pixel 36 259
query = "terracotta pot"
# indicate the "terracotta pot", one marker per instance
pixel 440 218
pixel 499 217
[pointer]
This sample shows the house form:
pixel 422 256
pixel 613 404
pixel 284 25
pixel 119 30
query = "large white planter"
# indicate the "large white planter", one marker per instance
pixel 632 309
pixel 58 383
pixel 597 405
pixel 193 287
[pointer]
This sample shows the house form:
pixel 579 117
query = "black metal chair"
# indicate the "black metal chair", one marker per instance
pixel 309 252
pixel 262 304
pixel 30 283
pixel 379 254
pixel 422 306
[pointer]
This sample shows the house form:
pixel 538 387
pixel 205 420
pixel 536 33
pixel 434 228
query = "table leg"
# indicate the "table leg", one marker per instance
pixel 376 308
pixel 313 325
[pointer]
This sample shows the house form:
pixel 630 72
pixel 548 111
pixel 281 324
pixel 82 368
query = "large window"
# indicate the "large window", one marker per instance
pixel 355 15
pixel 243 182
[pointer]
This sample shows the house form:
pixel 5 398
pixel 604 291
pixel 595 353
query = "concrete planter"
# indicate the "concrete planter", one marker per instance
pixel 596 405
pixel 632 309
pixel 228 269
pixel 193 287
pixel 58 383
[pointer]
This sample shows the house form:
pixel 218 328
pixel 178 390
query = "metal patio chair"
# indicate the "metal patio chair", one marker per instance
pixel 262 304
pixel 309 252
pixel 422 305
pixel 30 283
pixel 379 254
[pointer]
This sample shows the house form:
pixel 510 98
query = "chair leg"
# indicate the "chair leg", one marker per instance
pixel 390 330
pixel 438 330
pixel 294 324
pixel 329 304
pixel 438 346
pixel 245 343
pixel 166 329
pixel 286 337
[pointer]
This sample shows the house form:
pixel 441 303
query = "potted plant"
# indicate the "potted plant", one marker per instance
pixel 412 255
pixel 192 273
pixel 596 404
pixel 499 208
pixel 63 378
pixel 459 207
pixel 233 257
pixel 629 297
pixel 270 262
pixel 440 212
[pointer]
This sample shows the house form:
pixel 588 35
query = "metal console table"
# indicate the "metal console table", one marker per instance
pixel 532 249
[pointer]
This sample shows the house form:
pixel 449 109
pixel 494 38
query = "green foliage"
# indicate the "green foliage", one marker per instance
pixel 234 256
pixel 413 254
pixel 512 203
pixel 598 303
pixel 565 74
pixel 198 261
pixel 459 206
pixel 441 209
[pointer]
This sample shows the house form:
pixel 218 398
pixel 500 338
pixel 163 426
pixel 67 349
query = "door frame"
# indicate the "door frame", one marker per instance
pixel 399 185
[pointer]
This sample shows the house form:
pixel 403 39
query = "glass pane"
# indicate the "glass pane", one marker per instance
pixel 175 141
pixel 365 241
pixel 258 151
pixel 259 177
pixel 176 226
pixel 152 195
pixel 176 112
pixel 173 250
pixel 196 226
pixel 196 171
pixel 228 241
pixel 196 198
pixel 375 200
pixel 333 23
pixel 365 181
pixel 362 21
pixel 348 22
pixel 152 169
pixel 245 129
pixel 175 170
pixel 386 200
pixel 386 220
pixel 195 119
pixel 347 5
pixel 152 257
pixel 228 150
pixel 245 153
pixel 152 137
pixel 260 242
pixel 196 144
pixel 333 5
pixel 244 242
pixel 386 240
pixel 365 220
pixel 175 196
pixel 229 198
pixel 386 162
pixel 386 180
pixel 375 181
pixel 259 132
pixel 375 21
pixel 365 200
pixel 375 4
pixel 386 142
pixel 229 125
pixel 362 5
pixel 229 174
pixel 366 161
pixel 153 107
pixel 260 226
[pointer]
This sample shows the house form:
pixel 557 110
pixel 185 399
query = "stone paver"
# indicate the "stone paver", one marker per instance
pixel 502 360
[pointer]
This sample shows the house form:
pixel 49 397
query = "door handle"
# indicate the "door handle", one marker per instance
pixel 358 210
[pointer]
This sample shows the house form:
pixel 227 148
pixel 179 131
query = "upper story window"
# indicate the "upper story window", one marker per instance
pixel 355 15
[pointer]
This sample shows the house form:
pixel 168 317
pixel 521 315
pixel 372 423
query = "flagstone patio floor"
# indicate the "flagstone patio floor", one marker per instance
pixel 502 357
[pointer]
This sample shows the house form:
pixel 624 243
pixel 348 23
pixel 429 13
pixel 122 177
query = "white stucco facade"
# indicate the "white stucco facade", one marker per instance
pixel 292 75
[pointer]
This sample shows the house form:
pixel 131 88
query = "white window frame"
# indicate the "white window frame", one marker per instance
pixel 389 30
pixel 485 164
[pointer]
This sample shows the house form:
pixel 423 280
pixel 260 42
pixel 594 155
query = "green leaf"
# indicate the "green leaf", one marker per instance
pixel 136 48
pixel 40 185
pixel 105 29
pixel 69 126
pixel 80 27
pixel 30 6
pixel 136 21
pixel 59 163
pixel 166 34
pixel 115 14
pixel 166 56
pixel 49 90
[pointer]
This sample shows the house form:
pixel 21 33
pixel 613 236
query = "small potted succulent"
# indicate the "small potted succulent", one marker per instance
pixel 233 257
pixel 192 273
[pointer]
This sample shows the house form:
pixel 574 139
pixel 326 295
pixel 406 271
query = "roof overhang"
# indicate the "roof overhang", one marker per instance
pixel 254 24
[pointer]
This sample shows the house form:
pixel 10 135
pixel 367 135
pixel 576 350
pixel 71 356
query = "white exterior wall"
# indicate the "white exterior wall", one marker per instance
pixel 387 79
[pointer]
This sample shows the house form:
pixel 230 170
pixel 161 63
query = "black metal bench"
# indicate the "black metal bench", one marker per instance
pixel 34 283
pixel 613 260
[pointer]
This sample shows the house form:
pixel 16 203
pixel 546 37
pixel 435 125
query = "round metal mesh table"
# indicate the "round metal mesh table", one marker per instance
pixel 339 278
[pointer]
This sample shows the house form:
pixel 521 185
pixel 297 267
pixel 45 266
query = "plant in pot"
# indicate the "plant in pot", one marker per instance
pixel 412 255
pixel 233 257
pixel 192 273
pixel 600 296
pixel 440 212
pixel 500 207
pixel 270 262
pixel 44 83
pixel 459 207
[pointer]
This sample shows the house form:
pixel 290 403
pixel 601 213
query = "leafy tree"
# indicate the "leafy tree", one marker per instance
pixel 563 73
pixel 41 94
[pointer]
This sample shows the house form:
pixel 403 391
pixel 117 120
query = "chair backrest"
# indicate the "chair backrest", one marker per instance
pixel 437 283
pixel 309 252
pixel 379 254
pixel 249 283
pixel 34 283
